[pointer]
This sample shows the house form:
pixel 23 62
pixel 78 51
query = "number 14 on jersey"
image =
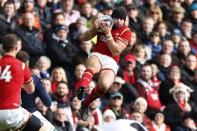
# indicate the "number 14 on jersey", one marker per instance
pixel 5 74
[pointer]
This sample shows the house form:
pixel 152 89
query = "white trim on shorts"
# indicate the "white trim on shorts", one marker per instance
pixel 13 119
pixel 106 62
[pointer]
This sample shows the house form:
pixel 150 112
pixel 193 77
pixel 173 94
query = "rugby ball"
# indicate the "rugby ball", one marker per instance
pixel 107 19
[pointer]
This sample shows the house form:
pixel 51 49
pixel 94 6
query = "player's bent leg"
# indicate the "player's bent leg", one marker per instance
pixel 45 122
pixel 106 79
pixel 35 124
pixel 93 66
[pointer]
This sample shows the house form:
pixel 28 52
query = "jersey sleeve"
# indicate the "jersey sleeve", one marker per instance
pixel 27 75
pixel 125 35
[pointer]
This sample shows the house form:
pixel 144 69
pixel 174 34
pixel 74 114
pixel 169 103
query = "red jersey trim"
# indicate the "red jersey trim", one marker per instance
pixel 127 29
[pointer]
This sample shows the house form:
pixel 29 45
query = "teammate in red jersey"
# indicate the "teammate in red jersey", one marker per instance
pixel 13 75
pixel 103 60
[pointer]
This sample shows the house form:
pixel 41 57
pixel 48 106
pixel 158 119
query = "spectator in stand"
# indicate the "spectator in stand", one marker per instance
pixel 57 19
pixel 108 9
pixel 186 4
pixel 154 43
pixel 146 5
pixel 72 112
pixel 155 71
pixel 60 50
pixel 116 86
pixel 31 37
pixel 176 18
pixel 115 105
pixel 137 116
pixel 175 112
pixel 46 112
pixel 140 106
pixel 129 72
pixel 188 124
pixel 7 19
pixel 87 125
pixel 167 48
pixel 96 112
pixel 125 3
pixel 44 14
pixel 184 50
pixel 108 116
pixel 134 21
pixel 91 87
pixel 193 42
pixel 76 31
pixel 70 14
pixel 86 11
pixel 61 96
pixel 165 62
pixel 58 74
pixel 186 28
pixel 162 28
pixel 155 12
pixel 60 122
pixel 174 78
pixel 44 63
pixel 28 6
pixel 142 53
pixel 47 86
pixel 176 37
pixel 100 5
pixel 193 16
pixel 147 28
pixel 147 89
pixel 78 72
pixel 188 70
pixel 158 123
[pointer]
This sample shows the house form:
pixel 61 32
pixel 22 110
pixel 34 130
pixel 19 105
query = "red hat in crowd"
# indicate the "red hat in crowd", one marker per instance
pixel 130 58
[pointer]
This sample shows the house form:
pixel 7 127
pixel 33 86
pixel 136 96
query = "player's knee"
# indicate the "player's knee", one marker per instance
pixel 34 124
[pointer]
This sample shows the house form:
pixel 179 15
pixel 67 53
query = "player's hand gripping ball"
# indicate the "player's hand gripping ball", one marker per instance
pixel 107 19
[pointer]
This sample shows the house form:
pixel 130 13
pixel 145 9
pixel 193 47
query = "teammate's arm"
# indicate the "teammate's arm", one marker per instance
pixel 29 86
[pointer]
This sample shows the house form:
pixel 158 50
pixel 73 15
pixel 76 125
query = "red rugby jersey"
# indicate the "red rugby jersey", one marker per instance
pixel 12 77
pixel 123 33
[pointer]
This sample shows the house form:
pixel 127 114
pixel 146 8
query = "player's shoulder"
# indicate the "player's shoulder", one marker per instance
pixel 10 60
pixel 126 28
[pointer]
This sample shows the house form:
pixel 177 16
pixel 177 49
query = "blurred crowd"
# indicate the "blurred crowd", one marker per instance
pixel 156 84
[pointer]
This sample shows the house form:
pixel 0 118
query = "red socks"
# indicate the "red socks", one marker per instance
pixel 96 93
pixel 86 78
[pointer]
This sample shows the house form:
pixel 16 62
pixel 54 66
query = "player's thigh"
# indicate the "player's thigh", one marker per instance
pixel 106 78
pixel 93 62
